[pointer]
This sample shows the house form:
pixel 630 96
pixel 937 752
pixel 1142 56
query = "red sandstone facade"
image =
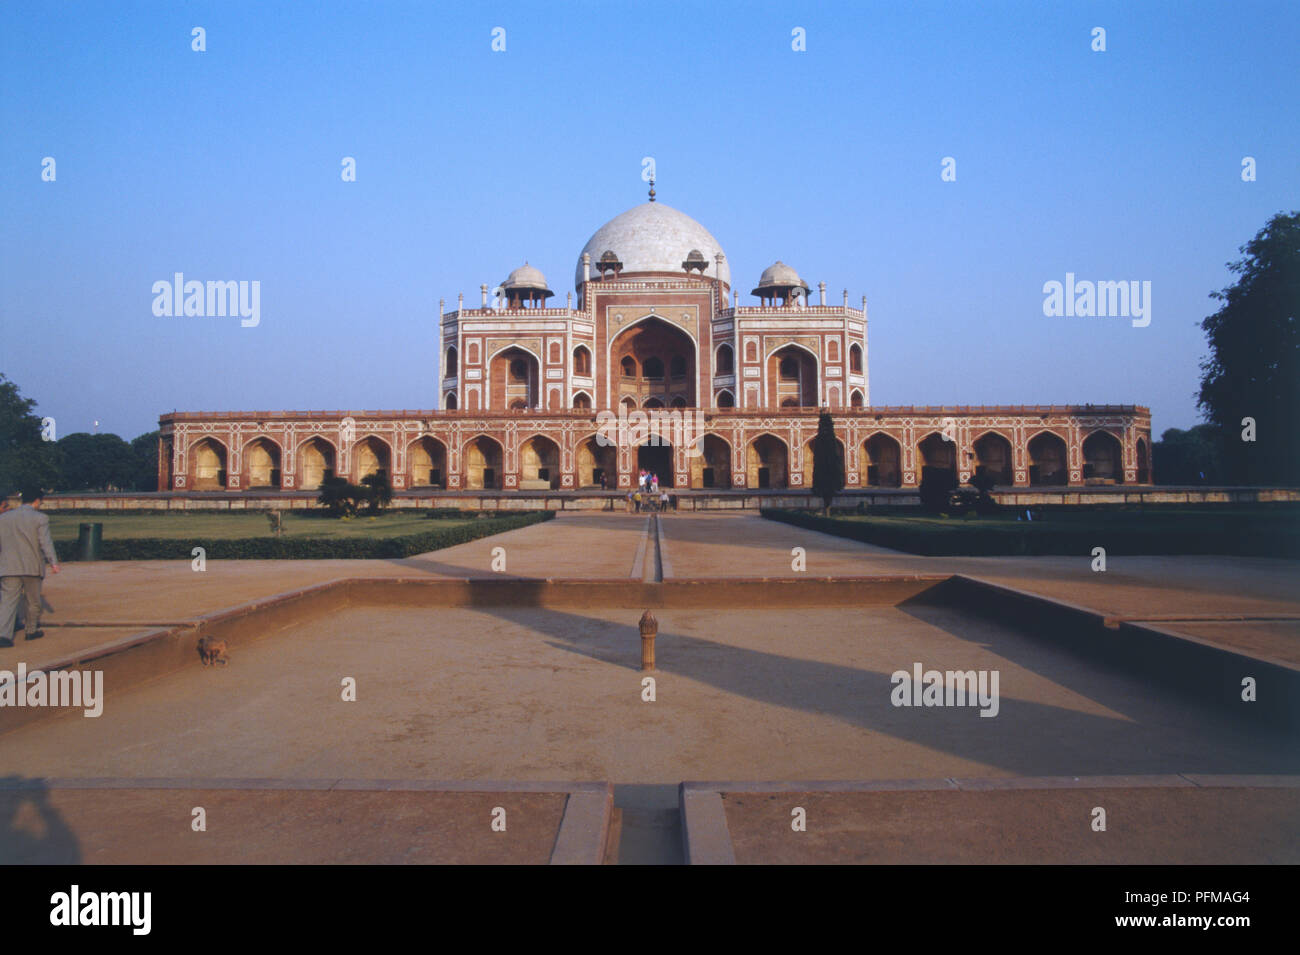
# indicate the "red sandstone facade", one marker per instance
pixel 527 391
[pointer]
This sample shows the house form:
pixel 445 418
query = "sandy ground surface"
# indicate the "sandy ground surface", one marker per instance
pixel 1141 588
pixel 251 827
pixel 545 694
pixel 1045 826
pixel 134 594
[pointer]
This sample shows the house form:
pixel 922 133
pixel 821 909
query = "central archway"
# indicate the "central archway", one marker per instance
pixel 658 460
pixel 655 360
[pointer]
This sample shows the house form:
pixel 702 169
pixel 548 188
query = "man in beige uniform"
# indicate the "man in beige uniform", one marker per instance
pixel 25 546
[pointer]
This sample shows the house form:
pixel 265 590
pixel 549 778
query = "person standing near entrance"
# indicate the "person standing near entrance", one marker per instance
pixel 25 548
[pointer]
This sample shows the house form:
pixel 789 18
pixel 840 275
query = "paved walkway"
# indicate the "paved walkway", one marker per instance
pixel 122 597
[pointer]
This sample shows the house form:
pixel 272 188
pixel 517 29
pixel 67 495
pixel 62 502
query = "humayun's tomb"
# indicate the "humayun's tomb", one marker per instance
pixel 656 324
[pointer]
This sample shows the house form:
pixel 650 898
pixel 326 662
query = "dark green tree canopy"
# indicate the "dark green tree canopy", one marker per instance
pixel 828 462
pixel 26 459
pixel 1194 456
pixel 96 462
pixel 1253 370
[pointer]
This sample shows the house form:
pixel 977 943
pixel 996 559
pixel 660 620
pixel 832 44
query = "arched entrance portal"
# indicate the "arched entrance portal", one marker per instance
pixel 596 461
pixel 882 456
pixel 766 463
pixel 514 377
pixel 315 463
pixel 427 463
pixel 370 456
pixel 539 464
pixel 656 361
pixel 208 465
pixel 792 378
pixel 482 464
pixel 712 469
pixel 1047 460
pixel 658 460
pixel 261 464
pixel 993 457
pixel 1103 459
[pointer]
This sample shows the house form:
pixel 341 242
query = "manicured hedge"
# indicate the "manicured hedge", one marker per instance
pixel 1260 535
pixel 307 548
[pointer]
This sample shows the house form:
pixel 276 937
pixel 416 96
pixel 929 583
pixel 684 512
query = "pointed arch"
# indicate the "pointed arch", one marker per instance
pixel 882 457
pixel 767 461
pixel 539 463
pixel 371 455
pixel 426 462
pixel 724 359
pixel 261 463
pixel 316 457
pixel 480 460
pixel 1103 457
pixel 1048 459
pixel 993 456
pixel 207 458
pixel 582 361
pixel 711 468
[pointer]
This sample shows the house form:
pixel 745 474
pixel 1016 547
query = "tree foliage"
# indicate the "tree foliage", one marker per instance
pixel 379 491
pixel 828 462
pixel 95 462
pixel 1194 456
pixel 1253 370
pixel 26 459
pixel 145 449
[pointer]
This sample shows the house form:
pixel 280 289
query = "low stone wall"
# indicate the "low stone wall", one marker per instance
pixel 595 500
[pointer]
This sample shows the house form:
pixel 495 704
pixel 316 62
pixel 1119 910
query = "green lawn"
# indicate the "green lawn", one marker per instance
pixel 236 525
pixel 1266 530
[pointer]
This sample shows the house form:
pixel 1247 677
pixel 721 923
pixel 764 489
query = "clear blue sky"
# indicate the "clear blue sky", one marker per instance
pixel 226 165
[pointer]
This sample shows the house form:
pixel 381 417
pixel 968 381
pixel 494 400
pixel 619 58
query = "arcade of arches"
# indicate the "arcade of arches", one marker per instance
pixel 734 451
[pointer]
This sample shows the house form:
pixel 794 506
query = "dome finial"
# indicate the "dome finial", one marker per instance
pixel 652 190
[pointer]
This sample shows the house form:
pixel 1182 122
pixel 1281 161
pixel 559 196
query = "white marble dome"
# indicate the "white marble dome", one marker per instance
pixel 653 237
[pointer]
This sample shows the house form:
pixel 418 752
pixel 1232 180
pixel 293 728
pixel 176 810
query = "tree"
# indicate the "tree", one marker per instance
pixel 1253 370
pixel 26 458
pixel 1189 457
pixel 95 462
pixel 145 450
pixel 341 497
pixel 828 462
pixel 380 491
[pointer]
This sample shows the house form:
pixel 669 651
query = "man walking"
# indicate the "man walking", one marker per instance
pixel 25 547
